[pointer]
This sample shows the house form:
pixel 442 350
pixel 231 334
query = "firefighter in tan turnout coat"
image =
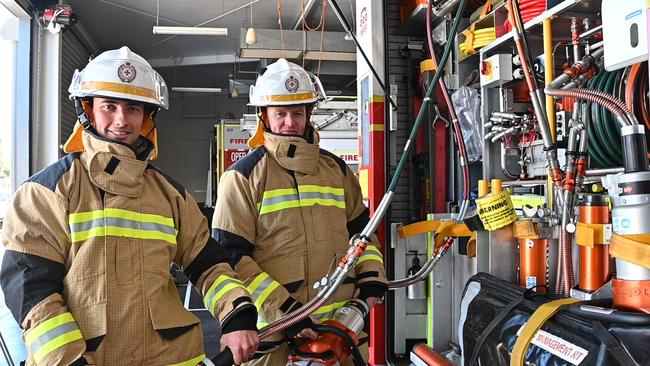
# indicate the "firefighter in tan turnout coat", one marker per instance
pixel 89 240
pixel 288 209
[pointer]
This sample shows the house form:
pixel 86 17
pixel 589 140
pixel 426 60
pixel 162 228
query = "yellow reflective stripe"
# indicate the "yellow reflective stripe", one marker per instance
pixel 305 196
pixel 265 294
pixel 48 325
pixel 52 334
pixel 257 282
pixel 138 216
pixel 124 232
pixel 216 291
pixel 193 362
pixel 326 312
pixel 261 287
pixel 322 201
pixel 289 97
pixel 322 189
pixel 56 343
pixel 370 257
pixel 121 214
pixel 119 88
pixel 279 206
pixel 77 217
pixel 279 192
pixel 371 253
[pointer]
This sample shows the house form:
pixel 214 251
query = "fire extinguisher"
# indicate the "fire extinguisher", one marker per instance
pixel 416 291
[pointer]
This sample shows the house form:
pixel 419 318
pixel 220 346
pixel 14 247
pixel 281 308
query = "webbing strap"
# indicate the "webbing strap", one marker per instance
pixel 631 248
pixel 417 228
pixel 613 346
pixel 534 323
pixel 488 330
pixel 450 228
pixel 589 235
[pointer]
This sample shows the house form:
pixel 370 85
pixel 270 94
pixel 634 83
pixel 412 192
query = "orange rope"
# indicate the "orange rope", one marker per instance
pixel 322 17
pixel 322 35
pixel 280 23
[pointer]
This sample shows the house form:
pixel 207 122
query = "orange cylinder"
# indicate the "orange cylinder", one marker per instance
pixel 533 257
pixel 631 295
pixel 594 262
pixel 429 356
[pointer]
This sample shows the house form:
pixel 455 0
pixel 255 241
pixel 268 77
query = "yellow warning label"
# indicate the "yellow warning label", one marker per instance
pixel 496 211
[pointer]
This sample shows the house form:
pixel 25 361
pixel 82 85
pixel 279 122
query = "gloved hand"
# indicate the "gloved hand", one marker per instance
pixel 371 293
pixel 302 329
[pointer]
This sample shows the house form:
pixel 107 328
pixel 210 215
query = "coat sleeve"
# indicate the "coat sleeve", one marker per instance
pixel 371 276
pixel 234 228
pixel 208 266
pixel 36 237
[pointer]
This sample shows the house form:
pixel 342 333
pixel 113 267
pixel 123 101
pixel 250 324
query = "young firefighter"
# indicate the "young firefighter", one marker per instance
pixel 289 208
pixel 89 239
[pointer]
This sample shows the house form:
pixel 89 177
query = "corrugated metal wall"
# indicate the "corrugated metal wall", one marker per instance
pixel 74 55
pixel 398 64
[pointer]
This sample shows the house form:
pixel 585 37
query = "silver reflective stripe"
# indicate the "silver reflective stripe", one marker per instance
pixel 123 223
pixel 51 334
pixel 263 286
pixel 223 284
pixel 325 196
pixel 279 199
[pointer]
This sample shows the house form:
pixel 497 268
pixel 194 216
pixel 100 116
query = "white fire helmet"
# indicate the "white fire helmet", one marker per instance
pixel 285 83
pixel 120 74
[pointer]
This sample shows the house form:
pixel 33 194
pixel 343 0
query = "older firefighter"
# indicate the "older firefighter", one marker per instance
pixel 90 239
pixel 288 209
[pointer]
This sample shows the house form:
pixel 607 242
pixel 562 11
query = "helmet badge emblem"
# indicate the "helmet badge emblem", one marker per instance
pixel 126 72
pixel 292 84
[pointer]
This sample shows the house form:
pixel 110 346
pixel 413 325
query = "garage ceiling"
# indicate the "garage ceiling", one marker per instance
pixel 205 60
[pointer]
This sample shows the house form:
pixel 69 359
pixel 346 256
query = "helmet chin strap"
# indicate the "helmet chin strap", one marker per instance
pixel 84 120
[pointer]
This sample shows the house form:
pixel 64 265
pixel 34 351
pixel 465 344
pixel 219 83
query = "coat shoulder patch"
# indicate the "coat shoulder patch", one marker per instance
pixel 338 161
pixel 50 176
pixel 246 165
pixel 179 187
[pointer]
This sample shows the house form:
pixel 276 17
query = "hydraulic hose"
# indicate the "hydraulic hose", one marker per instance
pixel 454 120
pixel 594 97
pixel 426 268
pixel 535 96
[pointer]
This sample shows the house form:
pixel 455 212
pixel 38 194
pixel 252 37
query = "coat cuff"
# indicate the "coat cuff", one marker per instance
pixel 244 319
pixel 372 289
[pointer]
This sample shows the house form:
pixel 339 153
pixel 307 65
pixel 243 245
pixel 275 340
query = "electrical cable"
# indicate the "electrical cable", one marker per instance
pixel 482 37
pixel 529 9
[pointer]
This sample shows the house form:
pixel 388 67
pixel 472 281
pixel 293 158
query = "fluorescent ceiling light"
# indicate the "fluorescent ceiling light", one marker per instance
pixel 330 56
pixel 197 31
pixel 265 53
pixel 195 90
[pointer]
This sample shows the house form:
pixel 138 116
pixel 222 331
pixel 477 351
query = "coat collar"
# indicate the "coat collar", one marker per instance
pixel 294 152
pixel 114 167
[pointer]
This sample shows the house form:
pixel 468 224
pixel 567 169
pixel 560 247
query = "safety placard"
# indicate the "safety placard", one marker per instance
pixel 559 347
pixel 231 146
pixel 496 211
